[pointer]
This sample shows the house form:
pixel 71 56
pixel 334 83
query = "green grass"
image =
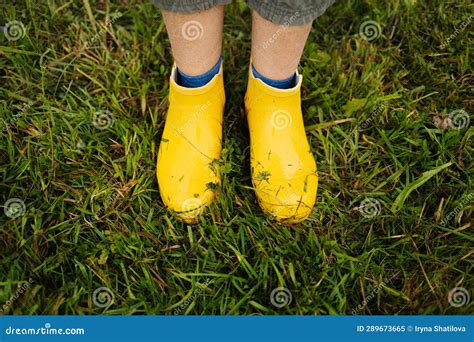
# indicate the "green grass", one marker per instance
pixel 404 260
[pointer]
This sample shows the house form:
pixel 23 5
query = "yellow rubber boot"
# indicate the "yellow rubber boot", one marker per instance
pixel 192 140
pixel 284 172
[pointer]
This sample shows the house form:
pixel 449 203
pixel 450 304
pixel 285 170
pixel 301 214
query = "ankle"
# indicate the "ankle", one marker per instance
pixel 188 81
pixel 279 84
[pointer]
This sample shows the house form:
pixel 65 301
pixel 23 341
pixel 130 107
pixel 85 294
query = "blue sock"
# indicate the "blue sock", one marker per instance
pixel 279 84
pixel 199 80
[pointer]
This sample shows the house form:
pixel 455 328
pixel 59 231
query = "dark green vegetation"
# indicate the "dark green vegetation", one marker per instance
pixel 377 117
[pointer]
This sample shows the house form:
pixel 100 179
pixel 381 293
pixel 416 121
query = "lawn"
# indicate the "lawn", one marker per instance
pixel 83 95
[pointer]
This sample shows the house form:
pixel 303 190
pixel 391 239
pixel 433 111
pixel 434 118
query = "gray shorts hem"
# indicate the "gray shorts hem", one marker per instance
pixel 188 6
pixel 283 12
pixel 291 13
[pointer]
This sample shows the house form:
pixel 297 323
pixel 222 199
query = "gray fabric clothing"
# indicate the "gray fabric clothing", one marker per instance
pixel 281 12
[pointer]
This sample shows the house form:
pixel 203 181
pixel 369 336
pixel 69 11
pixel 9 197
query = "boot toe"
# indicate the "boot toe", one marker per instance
pixel 288 201
pixel 187 195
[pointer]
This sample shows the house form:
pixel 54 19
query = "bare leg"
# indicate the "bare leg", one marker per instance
pixel 277 49
pixel 196 39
